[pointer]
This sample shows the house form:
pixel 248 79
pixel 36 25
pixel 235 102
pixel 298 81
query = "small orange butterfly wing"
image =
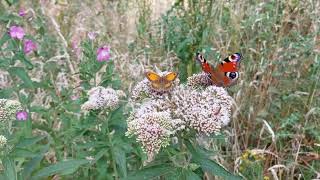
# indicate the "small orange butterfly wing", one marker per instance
pixel 161 82
pixel 152 76
pixel 171 76
pixel 168 79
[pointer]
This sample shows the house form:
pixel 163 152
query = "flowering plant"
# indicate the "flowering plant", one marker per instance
pixel 53 99
pixel 175 118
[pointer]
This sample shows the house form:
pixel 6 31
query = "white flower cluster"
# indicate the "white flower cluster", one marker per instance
pixel 205 111
pixel 199 80
pixel 158 118
pixel 153 130
pixel 102 98
pixel 8 109
pixel 3 140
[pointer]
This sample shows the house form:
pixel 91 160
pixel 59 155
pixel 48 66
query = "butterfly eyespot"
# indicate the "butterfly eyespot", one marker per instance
pixel 235 57
pixel 232 75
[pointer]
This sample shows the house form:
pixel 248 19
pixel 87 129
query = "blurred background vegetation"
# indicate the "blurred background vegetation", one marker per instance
pixel 275 130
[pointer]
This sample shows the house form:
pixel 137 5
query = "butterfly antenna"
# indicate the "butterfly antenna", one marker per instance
pixel 157 69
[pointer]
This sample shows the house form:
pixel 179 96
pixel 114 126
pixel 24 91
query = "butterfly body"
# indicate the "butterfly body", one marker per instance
pixel 161 82
pixel 224 74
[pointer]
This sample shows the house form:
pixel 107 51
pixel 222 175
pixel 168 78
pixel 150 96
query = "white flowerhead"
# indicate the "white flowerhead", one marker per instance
pixel 199 80
pixel 102 98
pixel 158 117
pixel 8 109
pixel 3 140
pixel 151 129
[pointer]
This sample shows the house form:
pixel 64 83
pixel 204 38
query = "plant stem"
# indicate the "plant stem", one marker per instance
pixel 114 166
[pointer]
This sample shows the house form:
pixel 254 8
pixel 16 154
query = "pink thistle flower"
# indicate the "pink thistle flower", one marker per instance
pixel 29 46
pixel 103 53
pixel 22 12
pixel 22 115
pixel 92 35
pixel 16 32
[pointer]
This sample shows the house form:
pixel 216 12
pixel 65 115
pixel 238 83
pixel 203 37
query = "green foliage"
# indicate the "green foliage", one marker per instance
pixel 279 83
pixel 93 143
pixel 62 168
pixel 200 157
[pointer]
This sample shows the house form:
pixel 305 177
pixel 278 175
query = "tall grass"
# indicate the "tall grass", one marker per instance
pixel 274 131
pixel 275 110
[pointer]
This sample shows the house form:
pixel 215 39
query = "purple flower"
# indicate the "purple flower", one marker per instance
pixel 103 54
pixel 22 115
pixel 16 32
pixel 92 35
pixel 29 46
pixel 22 12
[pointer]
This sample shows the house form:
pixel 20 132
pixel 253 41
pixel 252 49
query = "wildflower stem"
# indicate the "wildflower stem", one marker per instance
pixel 114 166
pixel 181 143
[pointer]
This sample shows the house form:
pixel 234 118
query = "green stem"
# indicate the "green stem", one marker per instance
pixel 114 166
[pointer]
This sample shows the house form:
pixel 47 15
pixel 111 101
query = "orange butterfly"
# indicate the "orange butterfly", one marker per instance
pixel 161 83
pixel 224 74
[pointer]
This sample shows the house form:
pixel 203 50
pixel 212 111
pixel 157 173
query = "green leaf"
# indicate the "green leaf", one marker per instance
pixel 2 176
pixel 29 141
pixel 31 165
pixel 182 173
pixel 4 39
pixel 151 172
pixel 117 118
pixel 100 154
pixel 11 2
pixel 191 176
pixel 22 74
pixel 120 158
pixel 21 56
pixel 9 168
pixel 23 153
pixel 62 168
pixel 5 62
pixel 198 156
pixel 6 93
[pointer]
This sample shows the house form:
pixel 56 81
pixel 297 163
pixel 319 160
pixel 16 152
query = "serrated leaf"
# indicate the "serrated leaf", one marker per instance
pixel 151 172
pixel 120 158
pixel 208 165
pixel 64 167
